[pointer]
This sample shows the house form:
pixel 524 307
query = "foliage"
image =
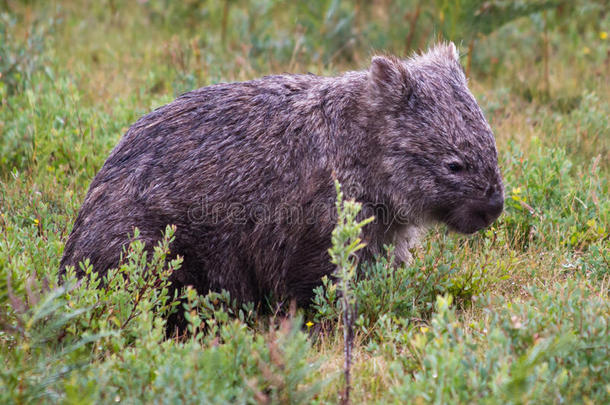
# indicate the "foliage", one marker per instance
pixel 234 367
pixel 551 348
pixel 465 19
pixel 545 195
pixel 21 53
pixel 61 330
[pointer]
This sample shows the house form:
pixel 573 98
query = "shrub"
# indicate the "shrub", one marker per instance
pixel 552 348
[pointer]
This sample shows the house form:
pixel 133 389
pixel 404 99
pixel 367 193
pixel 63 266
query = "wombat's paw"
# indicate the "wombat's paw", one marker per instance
pixel 406 239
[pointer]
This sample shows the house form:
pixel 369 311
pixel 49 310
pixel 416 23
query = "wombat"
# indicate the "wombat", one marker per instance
pixel 246 171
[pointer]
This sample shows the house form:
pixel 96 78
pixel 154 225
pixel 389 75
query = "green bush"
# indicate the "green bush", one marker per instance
pixel 235 366
pixel 548 203
pixel 550 349
pixel 48 333
pixel 100 340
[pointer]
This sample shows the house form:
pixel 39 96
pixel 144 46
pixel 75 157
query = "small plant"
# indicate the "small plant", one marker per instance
pixel 206 313
pixel 139 286
pixel 345 243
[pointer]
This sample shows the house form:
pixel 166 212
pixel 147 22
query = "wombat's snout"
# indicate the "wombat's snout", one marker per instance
pixel 494 207
pixel 473 215
pixel 482 214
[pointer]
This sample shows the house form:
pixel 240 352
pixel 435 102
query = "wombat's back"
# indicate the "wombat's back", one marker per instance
pixel 205 163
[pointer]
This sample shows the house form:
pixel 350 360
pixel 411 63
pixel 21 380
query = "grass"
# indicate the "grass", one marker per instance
pixel 517 313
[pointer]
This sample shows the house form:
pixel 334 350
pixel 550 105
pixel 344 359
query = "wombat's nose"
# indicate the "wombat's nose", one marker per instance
pixel 495 205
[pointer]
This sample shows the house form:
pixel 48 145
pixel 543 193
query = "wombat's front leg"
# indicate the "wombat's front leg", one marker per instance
pixel 405 239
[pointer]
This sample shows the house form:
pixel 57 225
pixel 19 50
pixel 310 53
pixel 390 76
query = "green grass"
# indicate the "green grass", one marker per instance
pixel 517 313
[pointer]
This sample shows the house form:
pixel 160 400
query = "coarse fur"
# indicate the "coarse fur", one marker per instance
pixel 246 173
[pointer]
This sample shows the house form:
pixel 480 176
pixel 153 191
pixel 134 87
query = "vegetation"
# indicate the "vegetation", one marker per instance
pixel 517 313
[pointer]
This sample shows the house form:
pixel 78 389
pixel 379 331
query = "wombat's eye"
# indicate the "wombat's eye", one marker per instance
pixel 455 167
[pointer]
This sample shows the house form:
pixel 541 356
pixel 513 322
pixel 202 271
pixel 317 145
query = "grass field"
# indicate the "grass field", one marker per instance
pixel 517 313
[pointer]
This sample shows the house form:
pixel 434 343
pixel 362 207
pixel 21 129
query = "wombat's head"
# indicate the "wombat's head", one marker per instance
pixel 438 151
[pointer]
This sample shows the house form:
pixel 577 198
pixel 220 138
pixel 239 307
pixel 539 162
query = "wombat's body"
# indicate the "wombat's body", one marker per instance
pixel 246 173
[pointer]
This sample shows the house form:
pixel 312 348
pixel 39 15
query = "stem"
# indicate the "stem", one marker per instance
pixel 546 56
pixel 349 312
pixel 413 24
pixel 469 60
pixel 225 19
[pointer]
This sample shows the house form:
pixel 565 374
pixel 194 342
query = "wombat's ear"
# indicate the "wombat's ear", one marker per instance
pixel 451 51
pixel 445 50
pixel 388 76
